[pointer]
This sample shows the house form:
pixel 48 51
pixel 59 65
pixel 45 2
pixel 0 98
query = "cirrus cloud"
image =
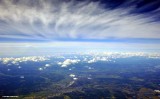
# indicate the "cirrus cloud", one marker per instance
pixel 55 20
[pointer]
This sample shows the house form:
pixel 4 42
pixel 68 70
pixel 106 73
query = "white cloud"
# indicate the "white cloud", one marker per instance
pixel 75 78
pixel 157 91
pixel 89 78
pixel 16 61
pixel 92 60
pixel 40 69
pixel 68 62
pixel 72 75
pixel 97 58
pixel 59 63
pixel 19 67
pixel 43 20
pixel 47 65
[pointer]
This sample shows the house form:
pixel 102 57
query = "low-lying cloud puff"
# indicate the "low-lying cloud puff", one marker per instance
pixel 95 59
pixel 40 69
pixel 72 75
pixel 47 65
pixel 68 62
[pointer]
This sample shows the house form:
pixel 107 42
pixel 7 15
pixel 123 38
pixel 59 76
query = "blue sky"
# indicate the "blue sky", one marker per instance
pixel 127 22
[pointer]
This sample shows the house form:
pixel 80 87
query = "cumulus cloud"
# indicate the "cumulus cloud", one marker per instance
pixel 68 62
pixel 51 19
pixel 16 61
pixel 95 59
pixel 40 69
pixel 72 75
pixel 74 78
pixel 47 65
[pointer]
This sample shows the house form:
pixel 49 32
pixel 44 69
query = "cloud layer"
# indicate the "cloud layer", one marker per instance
pixel 54 48
pixel 55 20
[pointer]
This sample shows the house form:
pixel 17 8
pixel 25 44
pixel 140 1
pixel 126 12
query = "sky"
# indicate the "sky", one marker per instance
pixel 109 24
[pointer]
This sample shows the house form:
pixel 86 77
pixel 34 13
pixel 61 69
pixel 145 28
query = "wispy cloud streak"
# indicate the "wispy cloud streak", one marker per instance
pixel 54 20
